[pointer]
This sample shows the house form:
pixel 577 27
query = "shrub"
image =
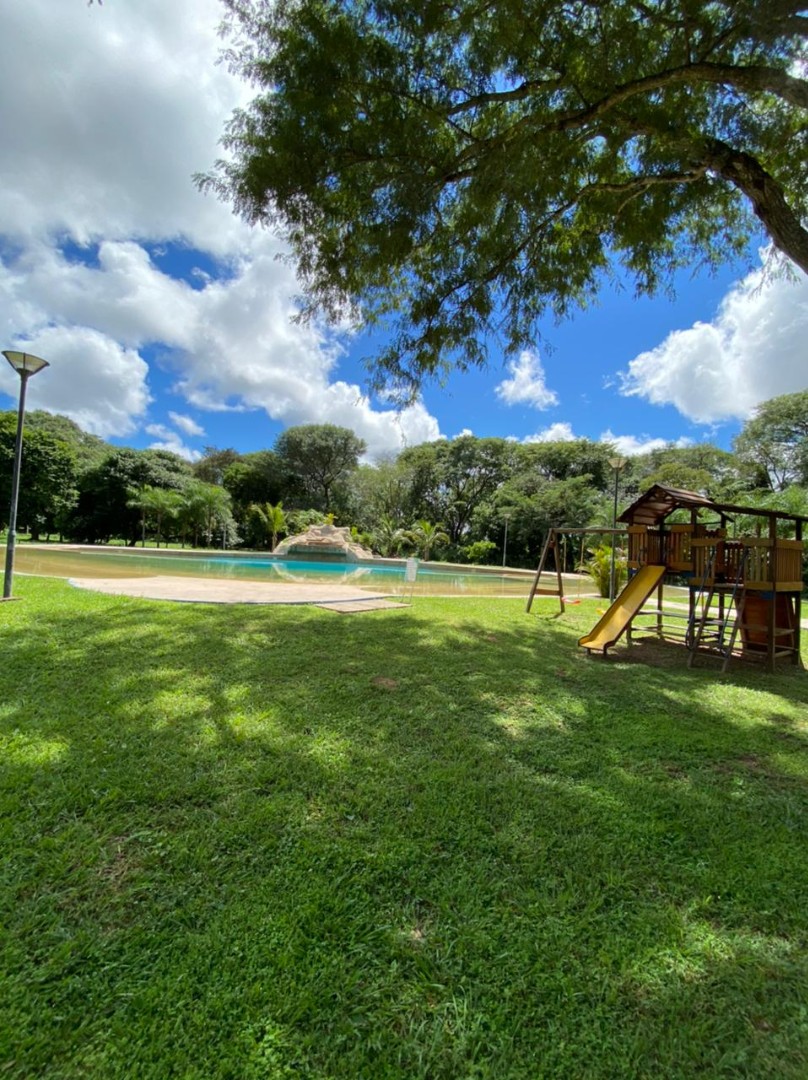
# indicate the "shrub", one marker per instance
pixel 479 552
pixel 599 568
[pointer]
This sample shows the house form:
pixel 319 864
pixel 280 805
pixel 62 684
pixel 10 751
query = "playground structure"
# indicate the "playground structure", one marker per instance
pixel 556 539
pixel 744 591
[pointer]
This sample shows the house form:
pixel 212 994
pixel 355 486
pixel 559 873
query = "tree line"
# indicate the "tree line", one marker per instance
pixel 449 499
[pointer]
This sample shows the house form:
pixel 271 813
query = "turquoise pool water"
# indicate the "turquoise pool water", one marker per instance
pixel 432 580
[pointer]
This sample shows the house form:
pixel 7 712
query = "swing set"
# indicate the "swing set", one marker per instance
pixel 557 538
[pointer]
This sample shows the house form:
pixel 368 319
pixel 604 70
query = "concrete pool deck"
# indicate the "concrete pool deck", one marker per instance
pixel 344 598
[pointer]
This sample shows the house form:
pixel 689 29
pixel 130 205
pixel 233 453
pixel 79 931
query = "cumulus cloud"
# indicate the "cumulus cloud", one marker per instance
pixel 526 386
pixel 133 104
pixel 186 424
pixel 560 432
pixel 92 379
pixel 166 439
pixel 632 445
pixel 93 177
pixel 753 350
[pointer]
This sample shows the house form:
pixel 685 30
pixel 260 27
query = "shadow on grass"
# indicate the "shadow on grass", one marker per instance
pixel 440 842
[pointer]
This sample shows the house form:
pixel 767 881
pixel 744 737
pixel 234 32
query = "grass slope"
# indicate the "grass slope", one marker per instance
pixel 442 842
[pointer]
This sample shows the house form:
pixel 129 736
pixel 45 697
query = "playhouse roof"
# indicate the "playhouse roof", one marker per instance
pixel 660 501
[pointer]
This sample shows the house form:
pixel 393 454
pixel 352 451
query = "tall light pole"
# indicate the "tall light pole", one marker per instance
pixel 617 463
pixel 507 516
pixel 25 365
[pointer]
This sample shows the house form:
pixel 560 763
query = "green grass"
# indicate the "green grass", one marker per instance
pixel 252 842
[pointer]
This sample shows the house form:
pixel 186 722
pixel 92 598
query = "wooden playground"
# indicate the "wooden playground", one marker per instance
pixel 744 592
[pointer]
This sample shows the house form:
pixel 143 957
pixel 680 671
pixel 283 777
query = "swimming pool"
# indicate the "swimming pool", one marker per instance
pixel 434 579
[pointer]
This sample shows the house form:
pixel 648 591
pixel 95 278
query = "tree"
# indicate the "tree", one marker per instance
pixel 271 521
pixel 565 459
pixel 461 167
pixel 210 509
pixel 47 480
pixel 159 503
pixel 703 467
pixel 104 506
pixel 254 478
pixel 213 464
pixel 451 478
pixel 320 457
pixel 388 537
pixel 88 449
pixel 424 535
pixel 773 445
pixel 380 491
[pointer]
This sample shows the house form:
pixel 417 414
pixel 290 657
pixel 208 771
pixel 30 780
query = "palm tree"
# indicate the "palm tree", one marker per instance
pixel 388 537
pixel 155 502
pixel 425 536
pixel 164 503
pixel 271 518
pixel 204 506
pixel 139 500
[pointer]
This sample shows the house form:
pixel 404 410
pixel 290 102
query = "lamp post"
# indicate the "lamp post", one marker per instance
pixel 25 365
pixel 507 516
pixel 618 464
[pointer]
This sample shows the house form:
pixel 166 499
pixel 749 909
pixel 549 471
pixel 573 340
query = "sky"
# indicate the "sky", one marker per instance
pixel 168 322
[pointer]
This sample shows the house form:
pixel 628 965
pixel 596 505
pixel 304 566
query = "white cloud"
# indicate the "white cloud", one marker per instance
pixel 101 154
pixel 754 349
pixel 526 386
pixel 132 105
pixel 166 439
pixel 632 445
pixel 92 379
pixel 560 432
pixel 186 424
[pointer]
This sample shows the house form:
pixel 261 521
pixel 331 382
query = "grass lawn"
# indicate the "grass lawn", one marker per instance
pixel 252 842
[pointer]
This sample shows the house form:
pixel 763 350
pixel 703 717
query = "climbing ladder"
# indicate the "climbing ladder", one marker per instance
pixel 709 632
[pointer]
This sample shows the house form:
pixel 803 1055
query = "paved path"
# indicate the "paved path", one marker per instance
pixel 221 591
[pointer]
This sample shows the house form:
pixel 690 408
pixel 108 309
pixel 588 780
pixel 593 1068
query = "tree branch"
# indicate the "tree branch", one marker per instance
pixel 768 201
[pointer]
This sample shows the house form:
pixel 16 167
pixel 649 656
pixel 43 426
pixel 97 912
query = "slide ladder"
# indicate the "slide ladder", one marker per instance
pixel 620 615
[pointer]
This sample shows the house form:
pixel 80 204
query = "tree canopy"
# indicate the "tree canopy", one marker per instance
pixel 773 444
pixel 319 458
pixel 460 169
pixel 48 490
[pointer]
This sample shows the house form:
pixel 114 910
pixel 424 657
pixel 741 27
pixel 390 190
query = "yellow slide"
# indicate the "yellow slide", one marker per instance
pixel 623 610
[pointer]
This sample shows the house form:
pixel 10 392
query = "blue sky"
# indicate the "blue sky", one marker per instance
pixel 168 322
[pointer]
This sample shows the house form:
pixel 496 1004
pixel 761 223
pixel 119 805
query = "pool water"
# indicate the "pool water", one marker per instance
pixel 387 576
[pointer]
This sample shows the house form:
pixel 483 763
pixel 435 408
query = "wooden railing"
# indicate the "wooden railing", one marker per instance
pixel 682 552
pixel 777 566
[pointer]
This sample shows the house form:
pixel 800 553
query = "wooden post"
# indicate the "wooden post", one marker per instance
pixel 797 658
pixel 549 544
pixel 772 620
pixel 558 576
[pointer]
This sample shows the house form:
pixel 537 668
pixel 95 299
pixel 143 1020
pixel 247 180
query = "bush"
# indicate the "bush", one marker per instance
pixel 599 568
pixel 479 552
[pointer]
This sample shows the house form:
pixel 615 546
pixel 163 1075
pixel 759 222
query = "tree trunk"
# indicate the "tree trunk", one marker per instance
pixel 747 174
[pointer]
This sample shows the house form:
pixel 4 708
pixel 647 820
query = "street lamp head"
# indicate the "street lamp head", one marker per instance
pixel 25 364
pixel 617 463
